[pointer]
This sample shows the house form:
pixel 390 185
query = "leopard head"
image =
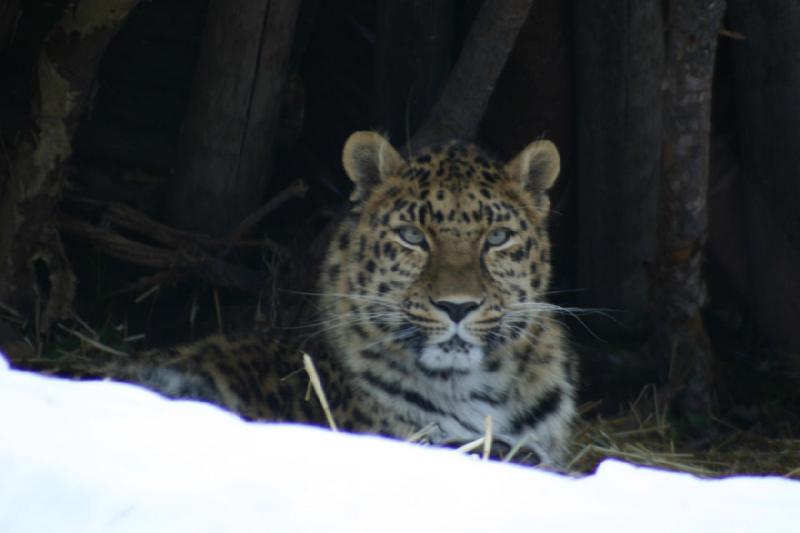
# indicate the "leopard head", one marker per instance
pixel 443 258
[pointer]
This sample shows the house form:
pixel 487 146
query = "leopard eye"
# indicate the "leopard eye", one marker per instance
pixel 498 236
pixel 411 235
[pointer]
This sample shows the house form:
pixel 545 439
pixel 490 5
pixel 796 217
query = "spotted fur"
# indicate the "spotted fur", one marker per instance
pixel 437 279
pixel 433 313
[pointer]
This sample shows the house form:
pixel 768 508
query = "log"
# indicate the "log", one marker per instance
pixel 166 21
pixel 458 112
pixel 9 15
pixel 680 291
pixel 767 77
pixel 140 105
pixel 111 142
pixel 35 276
pixel 162 64
pixel 225 145
pixel 619 62
pixel 534 96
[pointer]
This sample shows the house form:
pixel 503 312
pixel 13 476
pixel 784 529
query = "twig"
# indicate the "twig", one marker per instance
pixel 577 458
pixel 91 342
pixel 515 449
pixel 731 34
pixel 10 310
pixel 290 374
pixel 191 262
pixel 792 473
pixel 487 440
pixel 297 188
pixel 217 308
pixel 135 221
pixel 37 326
pixel 147 293
pixel 471 446
pixel 313 376
pixel 83 324
pixel 422 433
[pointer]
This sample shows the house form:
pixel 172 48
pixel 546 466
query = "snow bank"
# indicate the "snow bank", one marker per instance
pixel 109 457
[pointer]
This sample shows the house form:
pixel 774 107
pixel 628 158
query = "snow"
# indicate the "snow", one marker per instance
pixel 109 457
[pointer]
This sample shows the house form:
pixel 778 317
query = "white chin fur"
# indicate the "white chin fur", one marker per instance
pixel 436 358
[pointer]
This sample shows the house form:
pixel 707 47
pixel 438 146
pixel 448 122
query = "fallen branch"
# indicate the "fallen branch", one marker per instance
pixel 296 189
pixel 135 221
pixel 189 261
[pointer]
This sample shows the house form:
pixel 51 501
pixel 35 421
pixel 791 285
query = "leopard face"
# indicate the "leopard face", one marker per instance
pixel 433 284
pixel 446 254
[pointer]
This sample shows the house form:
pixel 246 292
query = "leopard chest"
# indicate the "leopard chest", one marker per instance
pixel 454 406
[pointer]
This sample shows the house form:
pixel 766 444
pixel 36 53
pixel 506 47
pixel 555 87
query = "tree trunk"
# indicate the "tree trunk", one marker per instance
pixel 35 276
pixel 681 292
pixel 225 148
pixel 458 112
pixel 9 15
pixel 767 68
pixel 142 147
pixel 619 68
pixel 412 60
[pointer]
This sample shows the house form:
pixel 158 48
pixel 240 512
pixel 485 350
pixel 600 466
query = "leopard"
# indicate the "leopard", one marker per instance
pixel 433 312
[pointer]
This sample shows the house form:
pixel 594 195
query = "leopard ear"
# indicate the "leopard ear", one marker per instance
pixel 536 167
pixel 368 159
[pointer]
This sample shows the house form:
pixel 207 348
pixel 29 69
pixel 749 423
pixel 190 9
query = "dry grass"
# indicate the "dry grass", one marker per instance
pixel 642 434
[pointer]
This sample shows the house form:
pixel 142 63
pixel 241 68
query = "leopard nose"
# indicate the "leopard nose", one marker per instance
pixel 456 310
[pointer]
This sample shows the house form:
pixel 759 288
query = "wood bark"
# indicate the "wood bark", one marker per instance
pixel 681 292
pixel 619 61
pixel 9 15
pixel 767 70
pixel 458 111
pixel 412 60
pixel 224 149
pixel 35 276
pixel 135 146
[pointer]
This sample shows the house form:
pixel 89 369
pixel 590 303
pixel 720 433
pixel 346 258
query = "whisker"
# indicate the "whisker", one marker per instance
pixel 536 209
pixel 523 332
pixel 343 322
pixel 398 336
pixel 521 309
pixel 562 291
pixel 344 317
pixel 546 306
pixel 369 309
pixel 348 296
